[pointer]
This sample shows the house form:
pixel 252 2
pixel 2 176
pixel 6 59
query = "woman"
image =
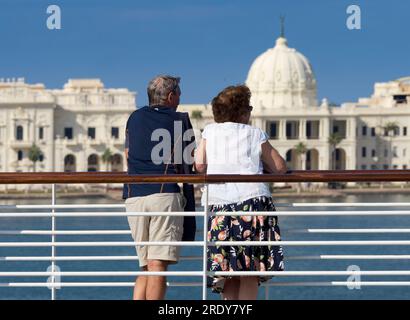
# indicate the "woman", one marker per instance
pixel 231 146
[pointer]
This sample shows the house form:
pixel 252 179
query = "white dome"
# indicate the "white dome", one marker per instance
pixel 281 77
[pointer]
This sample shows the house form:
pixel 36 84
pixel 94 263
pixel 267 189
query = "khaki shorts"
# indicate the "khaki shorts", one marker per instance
pixel 156 228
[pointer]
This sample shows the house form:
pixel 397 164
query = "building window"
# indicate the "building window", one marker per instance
pixel 312 129
pixel 386 167
pixel 404 131
pixel 364 131
pixel 289 156
pixel 19 155
pixel 373 153
pixel 91 133
pixel 395 167
pixel 400 98
pixel 373 132
pixel 337 154
pixel 364 167
pixel 395 152
pixel 92 163
pixel 292 129
pixel 404 166
pixel 41 133
pixel 69 163
pixel 373 167
pixel 115 132
pixel 273 130
pixel 288 129
pixel 68 133
pixel 364 152
pixel 386 153
pixel 19 133
pixel 41 158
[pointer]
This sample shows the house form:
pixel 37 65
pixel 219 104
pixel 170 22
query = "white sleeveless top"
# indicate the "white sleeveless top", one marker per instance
pixel 234 148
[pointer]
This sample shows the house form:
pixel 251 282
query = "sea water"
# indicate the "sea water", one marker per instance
pixel 292 228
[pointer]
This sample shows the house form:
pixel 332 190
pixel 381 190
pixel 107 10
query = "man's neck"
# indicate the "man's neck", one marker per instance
pixel 163 106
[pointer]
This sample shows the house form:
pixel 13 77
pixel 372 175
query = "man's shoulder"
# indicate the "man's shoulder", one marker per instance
pixel 182 115
pixel 137 113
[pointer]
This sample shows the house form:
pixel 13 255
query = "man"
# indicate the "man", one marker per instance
pixel 147 153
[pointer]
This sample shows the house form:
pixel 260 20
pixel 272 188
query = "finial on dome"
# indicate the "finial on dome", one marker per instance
pixel 281 41
pixel 282 26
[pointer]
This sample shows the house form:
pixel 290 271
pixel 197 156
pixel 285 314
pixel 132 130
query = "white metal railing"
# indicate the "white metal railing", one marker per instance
pixel 55 212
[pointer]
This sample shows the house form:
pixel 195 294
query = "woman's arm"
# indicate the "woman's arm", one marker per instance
pixel 200 157
pixel 272 161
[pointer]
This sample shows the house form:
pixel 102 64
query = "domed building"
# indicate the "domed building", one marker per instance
pixel 280 78
pixel 369 134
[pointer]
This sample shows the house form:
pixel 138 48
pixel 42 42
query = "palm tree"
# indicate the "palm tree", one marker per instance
pixel 334 140
pixel 301 150
pixel 391 126
pixel 391 129
pixel 107 158
pixel 196 114
pixel 34 155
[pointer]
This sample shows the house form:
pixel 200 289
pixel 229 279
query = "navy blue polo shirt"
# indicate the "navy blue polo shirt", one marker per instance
pixel 140 127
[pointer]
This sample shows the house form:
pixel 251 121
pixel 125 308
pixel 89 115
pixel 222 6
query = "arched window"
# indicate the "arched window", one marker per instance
pixel 92 163
pixel 19 133
pixel 69 163
pixel 19 155
pixel 116 163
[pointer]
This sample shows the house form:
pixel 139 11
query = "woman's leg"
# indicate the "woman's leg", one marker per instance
pixel 248 288
pixel 231 289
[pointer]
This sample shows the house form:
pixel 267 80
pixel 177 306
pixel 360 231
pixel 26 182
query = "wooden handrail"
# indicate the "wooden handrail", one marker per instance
pixel 123 177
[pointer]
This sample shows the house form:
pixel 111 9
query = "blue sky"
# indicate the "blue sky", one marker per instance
pixel 210 44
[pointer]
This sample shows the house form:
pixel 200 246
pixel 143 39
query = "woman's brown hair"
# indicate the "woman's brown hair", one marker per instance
pixel 231 104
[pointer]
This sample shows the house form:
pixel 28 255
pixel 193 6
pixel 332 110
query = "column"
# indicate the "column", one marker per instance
pixel 351 134
pixel 325 129
pixel 302 129
pixel 282 129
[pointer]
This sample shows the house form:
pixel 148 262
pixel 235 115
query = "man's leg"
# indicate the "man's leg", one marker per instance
pixel 163 229
pixel 139 226
pixel 141 286
pixel 156 285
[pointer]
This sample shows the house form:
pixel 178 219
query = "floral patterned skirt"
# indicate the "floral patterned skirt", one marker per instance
pixel 243 228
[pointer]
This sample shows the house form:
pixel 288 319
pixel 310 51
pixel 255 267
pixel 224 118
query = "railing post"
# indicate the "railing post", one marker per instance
pixel 53 248
pixel 205 260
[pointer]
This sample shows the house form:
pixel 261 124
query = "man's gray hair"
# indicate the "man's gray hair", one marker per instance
pixel 160 87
